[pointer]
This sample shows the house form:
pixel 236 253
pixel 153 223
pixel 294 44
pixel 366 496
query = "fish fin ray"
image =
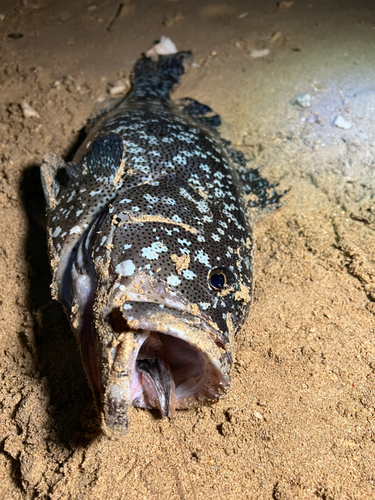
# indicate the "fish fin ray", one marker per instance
pixel 199 111
pixel 261 193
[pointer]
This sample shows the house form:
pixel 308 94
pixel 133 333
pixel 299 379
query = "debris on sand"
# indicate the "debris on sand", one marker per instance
pixel 170 20
pixel 256 54
pixel 118 88
pixel 303 100
pixel 276 37
pixel 284 5
pixel 28 111
pixel 340 122
pixel 164 47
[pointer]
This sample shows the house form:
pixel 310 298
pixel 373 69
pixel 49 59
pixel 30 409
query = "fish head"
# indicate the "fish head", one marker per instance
pixel 169 298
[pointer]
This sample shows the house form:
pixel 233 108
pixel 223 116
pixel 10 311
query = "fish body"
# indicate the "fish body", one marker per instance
pixel 151 249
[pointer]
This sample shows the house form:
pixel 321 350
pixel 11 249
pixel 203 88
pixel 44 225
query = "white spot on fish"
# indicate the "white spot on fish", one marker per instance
pixel 189 275
pixel 204 305
pixel 202 258
pixel 173 280
pixel 93 193
pixel 56 232
pixel 75 230
pixel 152 252
pixel 125 268
pixel 78 213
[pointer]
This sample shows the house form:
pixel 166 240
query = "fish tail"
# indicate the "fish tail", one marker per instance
pixel 156 79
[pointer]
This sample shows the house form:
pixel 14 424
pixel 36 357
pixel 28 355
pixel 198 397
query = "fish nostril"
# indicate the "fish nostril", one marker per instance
pixel 117 321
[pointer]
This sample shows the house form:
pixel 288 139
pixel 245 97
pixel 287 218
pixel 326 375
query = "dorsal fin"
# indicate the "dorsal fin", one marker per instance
pixel 103 162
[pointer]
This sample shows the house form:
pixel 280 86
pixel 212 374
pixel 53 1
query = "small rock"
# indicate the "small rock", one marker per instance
pixel 91 7
pixel 70 84
pixel 258 415
pixel 28 111
pixel 256 54
pixel 304 100
pixel 101 98
pixel 285 5
pixel 318 87
pixel 170 20
pixel 163 48
pixel 244 14
pixel 276 37
pixel 117 88
pixel 2 17
pixel 340 122
pixel 15 36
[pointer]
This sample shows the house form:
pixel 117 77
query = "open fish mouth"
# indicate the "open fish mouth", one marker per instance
pixel 161 357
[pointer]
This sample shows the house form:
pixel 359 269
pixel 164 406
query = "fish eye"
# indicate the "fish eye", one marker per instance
pixel 220 278
pixel 217 279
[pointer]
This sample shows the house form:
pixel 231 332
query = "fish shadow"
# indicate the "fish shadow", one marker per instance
pixel 57 357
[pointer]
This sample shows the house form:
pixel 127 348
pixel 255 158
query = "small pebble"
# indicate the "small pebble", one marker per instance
pixel 70 83
pixel 244 14
pixel 304 100
pixel 2 17
pixel 91 7
pixel 258 415
pixel 101 98
pixel 340 122
pixel 15 36
pixel 276 37
pixel 259 53
pixel 117 88
pixel 170 20
pixel 285 5
pixel 28 111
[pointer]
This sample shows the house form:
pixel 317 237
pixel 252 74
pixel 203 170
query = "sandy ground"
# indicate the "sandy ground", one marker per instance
pixel 299 422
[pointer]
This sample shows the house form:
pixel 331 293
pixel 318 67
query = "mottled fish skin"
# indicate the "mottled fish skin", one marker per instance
pixel 151 249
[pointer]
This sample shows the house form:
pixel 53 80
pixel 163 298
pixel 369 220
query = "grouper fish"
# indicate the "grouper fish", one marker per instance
pixel 151 248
